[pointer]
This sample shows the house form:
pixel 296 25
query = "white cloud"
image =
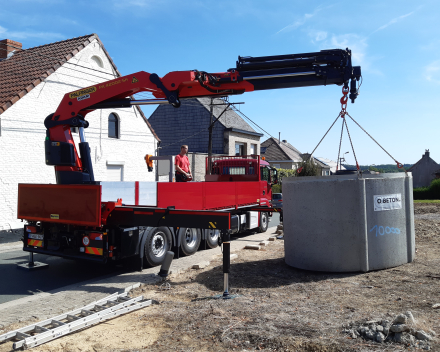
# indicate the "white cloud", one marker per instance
pixel 356 43
pixel 317 36
pixel 359 47
pixel 432 71
pixel 19 35
pixel 299 22
pixel 394 20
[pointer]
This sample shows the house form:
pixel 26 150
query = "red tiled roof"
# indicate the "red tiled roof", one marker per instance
pixel 27 68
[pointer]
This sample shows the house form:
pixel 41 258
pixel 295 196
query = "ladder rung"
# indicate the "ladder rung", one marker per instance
pixel 111 303
pixel 124 298
pixel 72 317
pixel 40 329
pixel 99 307
pixel 22 335
pixel 56 323
pixel 85 312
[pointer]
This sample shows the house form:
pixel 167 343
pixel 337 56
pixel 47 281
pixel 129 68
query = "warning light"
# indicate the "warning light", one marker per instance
pixel 263 158
pixel 86 241
pixel 149 162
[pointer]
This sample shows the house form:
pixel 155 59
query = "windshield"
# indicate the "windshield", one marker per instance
pixel 264 174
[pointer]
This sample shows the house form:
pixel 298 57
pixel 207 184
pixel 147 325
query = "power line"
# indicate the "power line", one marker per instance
pixel 267 133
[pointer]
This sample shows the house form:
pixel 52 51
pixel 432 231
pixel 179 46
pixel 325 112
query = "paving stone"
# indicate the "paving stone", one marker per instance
pixel 200 265
pixel 252 246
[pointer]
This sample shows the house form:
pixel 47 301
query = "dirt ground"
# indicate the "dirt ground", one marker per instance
pixel 277 308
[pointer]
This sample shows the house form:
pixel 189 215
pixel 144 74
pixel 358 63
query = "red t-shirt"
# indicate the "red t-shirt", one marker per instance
pixel 182 162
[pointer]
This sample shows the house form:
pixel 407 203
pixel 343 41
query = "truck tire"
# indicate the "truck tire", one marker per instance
pixel 189 240
pixel 157 244
pixel 264 222
pixel 211 238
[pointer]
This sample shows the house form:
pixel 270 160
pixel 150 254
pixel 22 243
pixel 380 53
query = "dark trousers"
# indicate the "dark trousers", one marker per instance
pixel 179 177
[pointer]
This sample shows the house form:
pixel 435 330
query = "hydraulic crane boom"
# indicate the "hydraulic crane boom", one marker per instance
pixel 251 73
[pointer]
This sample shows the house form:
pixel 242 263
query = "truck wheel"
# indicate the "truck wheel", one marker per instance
pixel 264 223
pixel 212 238
pixel 189 240
pixel 157 244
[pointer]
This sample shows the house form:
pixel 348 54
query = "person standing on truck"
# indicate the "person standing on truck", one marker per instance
pixel 181 162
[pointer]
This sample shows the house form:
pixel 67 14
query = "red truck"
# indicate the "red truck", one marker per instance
pixel 82 218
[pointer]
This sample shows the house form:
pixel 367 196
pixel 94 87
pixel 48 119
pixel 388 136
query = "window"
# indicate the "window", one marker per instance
pixel 276 166
pixel 264 174
pixel 253 149
pixel 96 61
pixel 113 126
pixel 239 149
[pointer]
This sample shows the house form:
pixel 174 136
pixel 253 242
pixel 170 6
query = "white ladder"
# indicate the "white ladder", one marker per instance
pixel 96 312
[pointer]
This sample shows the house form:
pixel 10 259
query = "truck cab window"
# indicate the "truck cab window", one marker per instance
pixel 264 174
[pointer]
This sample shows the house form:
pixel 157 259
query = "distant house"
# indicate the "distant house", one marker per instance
pixel 424 171
pixel 332 164
pixel 189 125
pixel 281 154
pixel 32 83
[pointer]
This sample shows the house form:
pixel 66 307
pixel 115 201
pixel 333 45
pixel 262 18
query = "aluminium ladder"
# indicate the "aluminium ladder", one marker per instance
pixel 93 313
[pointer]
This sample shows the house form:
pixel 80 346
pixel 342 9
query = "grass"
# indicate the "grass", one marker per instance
pixel 427 201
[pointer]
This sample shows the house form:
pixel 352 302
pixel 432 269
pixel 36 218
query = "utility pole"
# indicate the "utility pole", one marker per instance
pixel 211 126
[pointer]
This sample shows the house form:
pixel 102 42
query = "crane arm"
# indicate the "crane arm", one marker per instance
pixel 251 73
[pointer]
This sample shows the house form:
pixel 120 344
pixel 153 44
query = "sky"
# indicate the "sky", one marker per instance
pixel 396 43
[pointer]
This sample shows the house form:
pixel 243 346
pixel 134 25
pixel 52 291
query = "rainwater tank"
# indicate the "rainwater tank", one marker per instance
pixel 348 223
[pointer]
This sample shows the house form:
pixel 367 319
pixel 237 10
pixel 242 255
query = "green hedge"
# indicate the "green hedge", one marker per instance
pixel 431 192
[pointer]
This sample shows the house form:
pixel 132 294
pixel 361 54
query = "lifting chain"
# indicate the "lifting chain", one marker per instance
pixel 342 114
pixel 344 101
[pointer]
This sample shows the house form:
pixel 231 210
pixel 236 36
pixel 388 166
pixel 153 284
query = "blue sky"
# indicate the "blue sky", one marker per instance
pixel 396 43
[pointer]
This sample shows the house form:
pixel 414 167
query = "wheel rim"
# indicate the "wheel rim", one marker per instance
pixel 158 244
pixel 190 237
pixel 264 220
pixel 213 234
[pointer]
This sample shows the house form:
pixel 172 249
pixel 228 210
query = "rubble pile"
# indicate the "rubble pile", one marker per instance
pixel 403 330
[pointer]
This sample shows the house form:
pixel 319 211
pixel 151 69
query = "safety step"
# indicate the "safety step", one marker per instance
pixel 50 329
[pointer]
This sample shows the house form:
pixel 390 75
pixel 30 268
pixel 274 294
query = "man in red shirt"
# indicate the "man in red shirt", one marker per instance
pixel 181 162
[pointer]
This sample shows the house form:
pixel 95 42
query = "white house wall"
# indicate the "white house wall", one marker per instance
pixel 23 133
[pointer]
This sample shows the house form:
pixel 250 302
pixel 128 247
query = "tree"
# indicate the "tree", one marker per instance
pixel 307 168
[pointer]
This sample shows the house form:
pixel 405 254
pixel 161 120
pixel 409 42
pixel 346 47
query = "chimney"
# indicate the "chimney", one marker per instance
pixel 426 153
pixel 279 137
pixel 7 46
pixel 284 140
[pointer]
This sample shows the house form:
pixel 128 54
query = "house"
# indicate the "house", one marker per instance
pixel 423 171
pixel 332 164
pixel 32 83
pixel 283 155
pixel 189 125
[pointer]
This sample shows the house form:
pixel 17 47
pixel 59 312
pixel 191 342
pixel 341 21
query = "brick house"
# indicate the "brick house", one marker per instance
pixel 423 171
pixel 189 124
pixel 283 155
pixel 32 84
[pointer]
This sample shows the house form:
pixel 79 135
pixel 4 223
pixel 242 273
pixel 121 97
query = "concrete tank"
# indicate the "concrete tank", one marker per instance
pixel 347 223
